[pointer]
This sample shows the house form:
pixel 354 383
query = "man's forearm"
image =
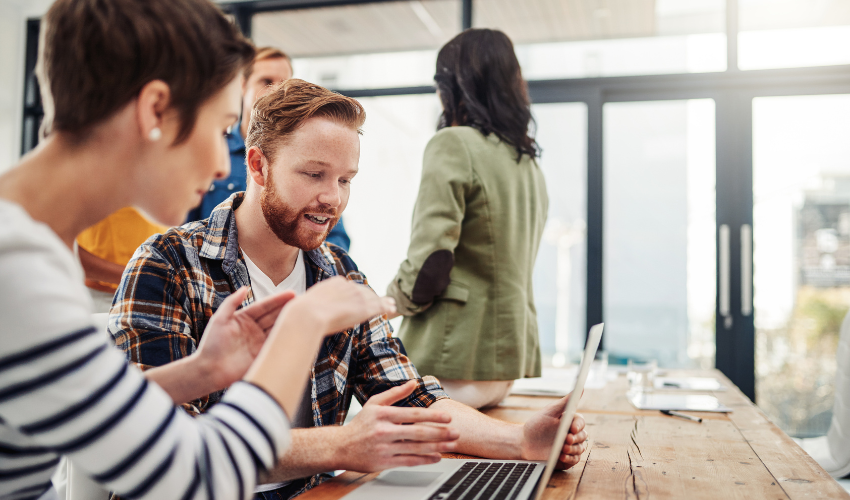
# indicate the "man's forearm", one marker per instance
pixel 313 450
pixel 480 435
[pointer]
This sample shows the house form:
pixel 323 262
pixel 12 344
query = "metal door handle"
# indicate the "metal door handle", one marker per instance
pixel 746 270
pixel 725 271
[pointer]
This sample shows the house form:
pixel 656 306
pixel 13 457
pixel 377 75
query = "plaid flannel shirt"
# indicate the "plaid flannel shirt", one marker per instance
pixel 176 281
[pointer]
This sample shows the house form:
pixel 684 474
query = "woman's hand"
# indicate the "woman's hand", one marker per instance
pixel 233 338
pixel 393 315
pixel 328 307
pixel 337 304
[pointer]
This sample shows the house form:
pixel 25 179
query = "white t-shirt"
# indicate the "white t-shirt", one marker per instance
pixel 64 388
pixel 262 286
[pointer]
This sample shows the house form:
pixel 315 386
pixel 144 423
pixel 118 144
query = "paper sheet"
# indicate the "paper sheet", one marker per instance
pixel 558 382
pixel 689 383
pixel 681 402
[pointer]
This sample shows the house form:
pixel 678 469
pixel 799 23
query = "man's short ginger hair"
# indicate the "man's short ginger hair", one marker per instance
pixel 287 106
pixel 263 54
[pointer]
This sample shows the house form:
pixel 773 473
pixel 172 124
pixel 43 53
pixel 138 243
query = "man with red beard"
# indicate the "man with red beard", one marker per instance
pixel 303 150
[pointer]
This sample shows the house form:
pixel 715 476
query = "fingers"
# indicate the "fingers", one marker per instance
pixel 567 460
pixel 269 306
pixel 574 449
pixel 577 438
pixel 393 395
pixel 422 433
pixel 390 308
pixel 556 409
pixel 575 443
pixel 393 315
pixel 374 305
pixel 410 415
pixel 578 424
pixel 413 460
pixel 345 303
pixel 230 304
pixel 267 322
pixel 423 448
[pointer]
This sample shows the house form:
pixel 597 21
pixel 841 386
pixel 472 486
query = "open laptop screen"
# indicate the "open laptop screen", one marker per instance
pixel 593 339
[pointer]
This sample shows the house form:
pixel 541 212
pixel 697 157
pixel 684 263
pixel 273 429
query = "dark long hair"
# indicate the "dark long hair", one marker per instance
pixel 480 85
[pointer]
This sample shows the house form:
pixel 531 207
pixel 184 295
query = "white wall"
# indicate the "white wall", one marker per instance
pixel 12 35
pixel 13 30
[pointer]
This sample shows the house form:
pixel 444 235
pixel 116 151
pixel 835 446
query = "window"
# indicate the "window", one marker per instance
pixel 801 225
pixel 380 209
pixel 560 269
pixel 642 169
pixel 659 228
pixel 373 45
pixel 791 33
pixel 578 38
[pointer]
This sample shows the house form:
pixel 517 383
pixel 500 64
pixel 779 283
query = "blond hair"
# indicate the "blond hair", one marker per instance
pixel 264 53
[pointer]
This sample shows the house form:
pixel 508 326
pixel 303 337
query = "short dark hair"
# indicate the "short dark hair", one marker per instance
pixel 286 107
pixel 480 85
pixel 96 55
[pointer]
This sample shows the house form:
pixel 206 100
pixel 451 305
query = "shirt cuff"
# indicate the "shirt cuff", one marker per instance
pixel 434 390
pixel 404 305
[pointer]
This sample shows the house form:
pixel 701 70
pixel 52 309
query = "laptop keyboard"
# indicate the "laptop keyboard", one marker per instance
pixel 485 481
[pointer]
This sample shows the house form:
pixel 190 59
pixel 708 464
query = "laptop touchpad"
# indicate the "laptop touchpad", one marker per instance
pixel 408 478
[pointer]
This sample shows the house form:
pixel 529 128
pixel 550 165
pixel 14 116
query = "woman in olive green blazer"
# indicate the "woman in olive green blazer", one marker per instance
pixel 465 288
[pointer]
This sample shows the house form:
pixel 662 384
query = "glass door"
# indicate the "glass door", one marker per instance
pixel 659 231
pixel 801 244
pixel 560 269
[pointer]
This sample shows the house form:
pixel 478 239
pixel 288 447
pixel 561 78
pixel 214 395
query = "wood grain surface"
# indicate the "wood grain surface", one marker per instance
pixel 635 454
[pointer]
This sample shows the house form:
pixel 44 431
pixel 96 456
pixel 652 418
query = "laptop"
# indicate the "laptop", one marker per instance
pixel 481 479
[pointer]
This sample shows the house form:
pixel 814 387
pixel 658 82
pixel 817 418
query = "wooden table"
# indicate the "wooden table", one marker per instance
pixel 637 454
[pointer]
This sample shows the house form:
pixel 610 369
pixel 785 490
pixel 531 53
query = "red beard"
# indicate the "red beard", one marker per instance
pixel 285 221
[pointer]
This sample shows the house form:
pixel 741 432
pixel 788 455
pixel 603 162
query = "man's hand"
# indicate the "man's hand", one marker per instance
pixel 539 431
pixel 233 338
pixel 378 437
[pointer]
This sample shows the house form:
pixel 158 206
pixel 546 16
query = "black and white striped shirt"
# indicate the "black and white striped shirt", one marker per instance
pixel 64 389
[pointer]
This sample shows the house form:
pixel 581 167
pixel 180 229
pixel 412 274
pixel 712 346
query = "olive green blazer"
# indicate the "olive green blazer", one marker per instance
pixel 465 288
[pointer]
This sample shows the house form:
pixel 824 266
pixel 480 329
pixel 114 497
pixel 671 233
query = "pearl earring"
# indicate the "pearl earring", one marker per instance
pixel 155 134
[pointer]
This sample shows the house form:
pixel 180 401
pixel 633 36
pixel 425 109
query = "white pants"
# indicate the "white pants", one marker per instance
pixel 477 393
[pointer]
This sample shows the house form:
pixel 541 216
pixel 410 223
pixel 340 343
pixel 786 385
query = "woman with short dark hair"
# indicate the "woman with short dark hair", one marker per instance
pixel 465 288
pixel 138 96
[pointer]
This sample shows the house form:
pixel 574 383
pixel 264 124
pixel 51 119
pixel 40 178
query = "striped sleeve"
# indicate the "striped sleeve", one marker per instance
pixel 64 389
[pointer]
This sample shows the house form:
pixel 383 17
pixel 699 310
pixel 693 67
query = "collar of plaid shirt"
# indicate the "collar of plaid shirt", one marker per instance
pixel 361 361
pixel 221 229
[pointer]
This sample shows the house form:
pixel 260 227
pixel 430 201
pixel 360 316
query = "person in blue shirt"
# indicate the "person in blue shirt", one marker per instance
pixel 270 67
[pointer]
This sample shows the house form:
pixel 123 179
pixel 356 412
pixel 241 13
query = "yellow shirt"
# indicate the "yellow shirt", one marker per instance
pixel 116 239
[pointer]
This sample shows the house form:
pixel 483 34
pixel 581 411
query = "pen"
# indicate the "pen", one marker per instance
pixel 681 415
